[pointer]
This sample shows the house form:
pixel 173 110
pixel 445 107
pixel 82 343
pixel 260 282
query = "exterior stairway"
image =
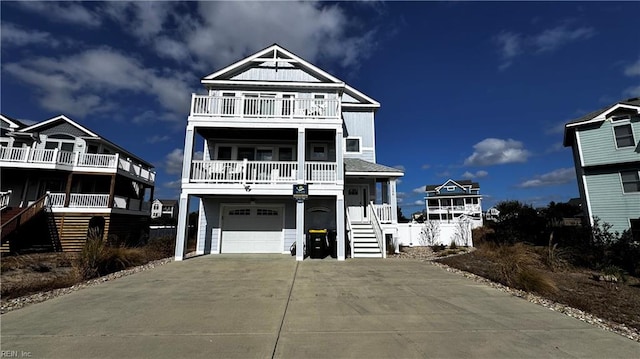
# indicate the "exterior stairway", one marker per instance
pixel 365 244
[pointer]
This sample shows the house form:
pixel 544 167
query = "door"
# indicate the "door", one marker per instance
pixel 252 229
pixel 356 200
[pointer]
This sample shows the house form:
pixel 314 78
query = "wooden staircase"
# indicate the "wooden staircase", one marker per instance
pixel 365 244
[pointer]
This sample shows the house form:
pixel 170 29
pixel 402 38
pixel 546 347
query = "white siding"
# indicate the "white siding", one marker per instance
pixel 289 238
pixel 270 74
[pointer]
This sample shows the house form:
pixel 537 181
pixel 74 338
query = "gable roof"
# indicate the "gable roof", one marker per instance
pixel 90 134
pixel 598 116
pixel 458 183
pixel 12 122
pixel 53 120
pixel 278 54
pixel 356 166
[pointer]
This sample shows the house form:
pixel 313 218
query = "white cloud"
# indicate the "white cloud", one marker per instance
pixel 552 39
pixel 11 34
pixel 173 184
pixel 419 202
pixel 400 167
pixel 70 12
pixel 555 177
pixel 477 174
pixel 83 83
pixel 157 138
pixel 425 167
pixel 632 91
pixel 633 69
pixel 493 151
pixel 421 189
pixel 173 160
pixel 511 45
pixel 444 174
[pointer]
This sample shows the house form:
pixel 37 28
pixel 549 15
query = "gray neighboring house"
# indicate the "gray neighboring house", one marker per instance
pixel 606 153
pixel 164 208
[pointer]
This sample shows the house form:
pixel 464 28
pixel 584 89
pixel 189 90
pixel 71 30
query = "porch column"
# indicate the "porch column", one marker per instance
pixel 67 190
pixel 385 191
pixel 183 218
pixel 201 235
pixel 339 157
pixel 393 200
pixel 340 226
pixel 301 155
pixel 112 191
pixel 188 153
pixel 300 230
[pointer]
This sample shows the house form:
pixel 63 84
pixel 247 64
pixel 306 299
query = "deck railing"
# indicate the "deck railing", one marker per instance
pixel 264 107
pixel 377 228
pixel 244 171
pixel 457 208
pixel 76 159
pixel 82 200
pixel 321 172
pixel 384 212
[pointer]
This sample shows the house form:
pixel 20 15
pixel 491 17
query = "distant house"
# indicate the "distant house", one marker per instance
pixel 449 201
pixel 492 214
pixel 606 154
pixel 164 208
pixel 274 126
pixel 62 180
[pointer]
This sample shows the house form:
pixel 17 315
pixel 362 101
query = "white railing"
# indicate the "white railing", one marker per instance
pixel 4 199
pixel 349 233
pixel 97 160
pixel 14 154
pixel 39 155
pixel 377 228
pixel 244 171
pixel 384 212
pixel 264 107
pixel 78 159
pixel 321 172
pixel 56 200
pixel 457 208
pixel 88 200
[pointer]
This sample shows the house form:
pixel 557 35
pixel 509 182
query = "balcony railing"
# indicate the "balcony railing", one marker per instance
pixel 244 171
pixel 81 200
pixel 321 172
pixel 75 159
pixel 459 208
pixel 265 107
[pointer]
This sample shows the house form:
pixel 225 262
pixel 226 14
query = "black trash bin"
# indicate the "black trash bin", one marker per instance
pixel 333 245
pixel 317 246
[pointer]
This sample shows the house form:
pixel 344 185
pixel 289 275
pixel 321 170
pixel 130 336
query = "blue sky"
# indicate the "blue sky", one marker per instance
pixel 469 90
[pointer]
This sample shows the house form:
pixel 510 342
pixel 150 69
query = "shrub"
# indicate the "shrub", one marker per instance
pixel 160 247
pixel 481 235
pixel 453 245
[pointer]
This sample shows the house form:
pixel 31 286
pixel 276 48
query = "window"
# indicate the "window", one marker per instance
pixel 246 152
pixel 224 153
pixel 630 181
pixel 264 154
pixel 285 154
pixel 240 212
pixel 318 152
pixel 624 136
pixel 353 145
pixel 267 212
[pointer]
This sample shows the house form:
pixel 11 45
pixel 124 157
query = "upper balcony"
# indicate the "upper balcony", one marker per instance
pixel 456 208
pixel 272 107
pixel 26 157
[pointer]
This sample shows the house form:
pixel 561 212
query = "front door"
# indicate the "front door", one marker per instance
pixel 356 199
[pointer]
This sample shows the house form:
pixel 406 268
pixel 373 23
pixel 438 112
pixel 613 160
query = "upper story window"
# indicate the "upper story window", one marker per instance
pixel 624 136
pixel 630 181
pixel 352 145
pixel 61 142
pixel 319 152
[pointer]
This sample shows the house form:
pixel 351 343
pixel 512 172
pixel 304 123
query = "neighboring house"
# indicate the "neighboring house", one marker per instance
pixel 167 208
pixel 492 214
pixel 62 179
pixel 449 201
pixel 272 121
pixel 606 153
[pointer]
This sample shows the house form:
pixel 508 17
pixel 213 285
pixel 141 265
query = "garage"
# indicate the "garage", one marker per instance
pixel 252 229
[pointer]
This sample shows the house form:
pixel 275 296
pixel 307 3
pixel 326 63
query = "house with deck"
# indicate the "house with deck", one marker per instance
pixel 449 201
pixel 606 153
pixel 60 180
pixel 273 126
pixel 167 208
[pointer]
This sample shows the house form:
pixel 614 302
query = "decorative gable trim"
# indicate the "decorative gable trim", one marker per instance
pixel 273 53
pixel 13 124
pixel 59 118
pixel 365 101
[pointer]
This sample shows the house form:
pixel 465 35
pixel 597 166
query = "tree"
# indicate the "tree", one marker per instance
pixel 429 233
pixel 463 230
pixel 401 217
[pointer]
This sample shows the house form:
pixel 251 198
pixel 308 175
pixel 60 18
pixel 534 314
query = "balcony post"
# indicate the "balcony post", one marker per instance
pixel 340 226
pixel 339 157
pixel 188 153
pixel 112 190
pixel 67 190
pixel 55 155
pixel 26 154
pixel 393 200
pixel 76 158
pixel 183 217
pixel 301 155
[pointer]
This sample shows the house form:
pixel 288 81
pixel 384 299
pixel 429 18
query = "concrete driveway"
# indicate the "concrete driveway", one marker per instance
pixel 270 306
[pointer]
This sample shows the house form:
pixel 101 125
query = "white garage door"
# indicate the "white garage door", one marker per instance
pixel 252 229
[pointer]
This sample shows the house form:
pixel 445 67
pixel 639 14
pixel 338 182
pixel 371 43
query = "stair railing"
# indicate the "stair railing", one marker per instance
pixel 349 232
pixel 377 228
pixel 24 216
